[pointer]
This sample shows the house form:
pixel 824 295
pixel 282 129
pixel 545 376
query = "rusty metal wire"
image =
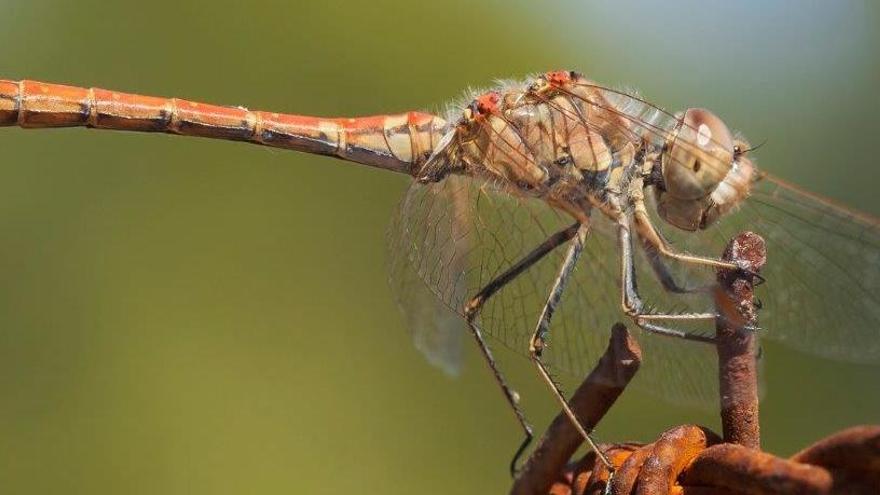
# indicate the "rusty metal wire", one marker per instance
pixel 736 342
pixel 590 401
pixel 691 459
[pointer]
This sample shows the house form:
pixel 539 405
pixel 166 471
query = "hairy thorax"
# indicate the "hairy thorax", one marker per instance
pixel 558 137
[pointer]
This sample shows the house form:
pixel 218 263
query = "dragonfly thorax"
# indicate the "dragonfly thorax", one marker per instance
pixel 555 136
pixel 566 140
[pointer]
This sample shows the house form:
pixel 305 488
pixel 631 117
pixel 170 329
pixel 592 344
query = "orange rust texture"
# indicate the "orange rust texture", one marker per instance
pixel 736 467
pixel 628 471
pixel 593 482
pixel 856 446
pixel 591 401
pixel 845 463
pixel 658 465
pixel 852 456
pixel 736 345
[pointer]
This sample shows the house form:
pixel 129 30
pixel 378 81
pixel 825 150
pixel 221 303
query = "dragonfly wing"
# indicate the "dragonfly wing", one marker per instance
pixel 437 330
pixel 823 272
pixel 822 290
pixel 459 234
pixel 824 267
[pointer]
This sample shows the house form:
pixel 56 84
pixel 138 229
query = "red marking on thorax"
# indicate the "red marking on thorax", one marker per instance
pixel 487 104
pixel 558 78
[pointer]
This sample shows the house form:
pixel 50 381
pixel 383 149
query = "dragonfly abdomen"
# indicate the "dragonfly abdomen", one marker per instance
pixel 395 142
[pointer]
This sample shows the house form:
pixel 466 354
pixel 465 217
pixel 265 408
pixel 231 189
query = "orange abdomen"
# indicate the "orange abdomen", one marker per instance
pixel 395 142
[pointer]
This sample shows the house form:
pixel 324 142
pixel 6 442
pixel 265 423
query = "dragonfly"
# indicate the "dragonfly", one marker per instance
pixel 555 185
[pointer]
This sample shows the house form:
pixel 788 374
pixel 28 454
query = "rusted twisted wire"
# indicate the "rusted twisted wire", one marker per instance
pixel 690 459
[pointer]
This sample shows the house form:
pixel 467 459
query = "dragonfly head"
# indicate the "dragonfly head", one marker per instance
pixel 705 171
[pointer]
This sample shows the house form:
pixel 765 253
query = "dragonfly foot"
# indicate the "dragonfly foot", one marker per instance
pixel 514 469
pixel 608 483
pixel 757 278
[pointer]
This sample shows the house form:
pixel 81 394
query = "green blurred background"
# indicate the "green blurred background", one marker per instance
pixel 186 316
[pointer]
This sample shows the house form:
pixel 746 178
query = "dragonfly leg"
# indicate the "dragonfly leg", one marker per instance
pixel 663 273
pixel 475 305
pixel 633 305
pixel 539 338
pixel 652 237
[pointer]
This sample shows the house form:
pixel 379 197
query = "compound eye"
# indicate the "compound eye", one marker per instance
pixel 700 155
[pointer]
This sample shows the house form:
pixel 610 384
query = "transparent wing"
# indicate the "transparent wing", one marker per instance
pixel 822 294
pixel 456 247
pixel 437 330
